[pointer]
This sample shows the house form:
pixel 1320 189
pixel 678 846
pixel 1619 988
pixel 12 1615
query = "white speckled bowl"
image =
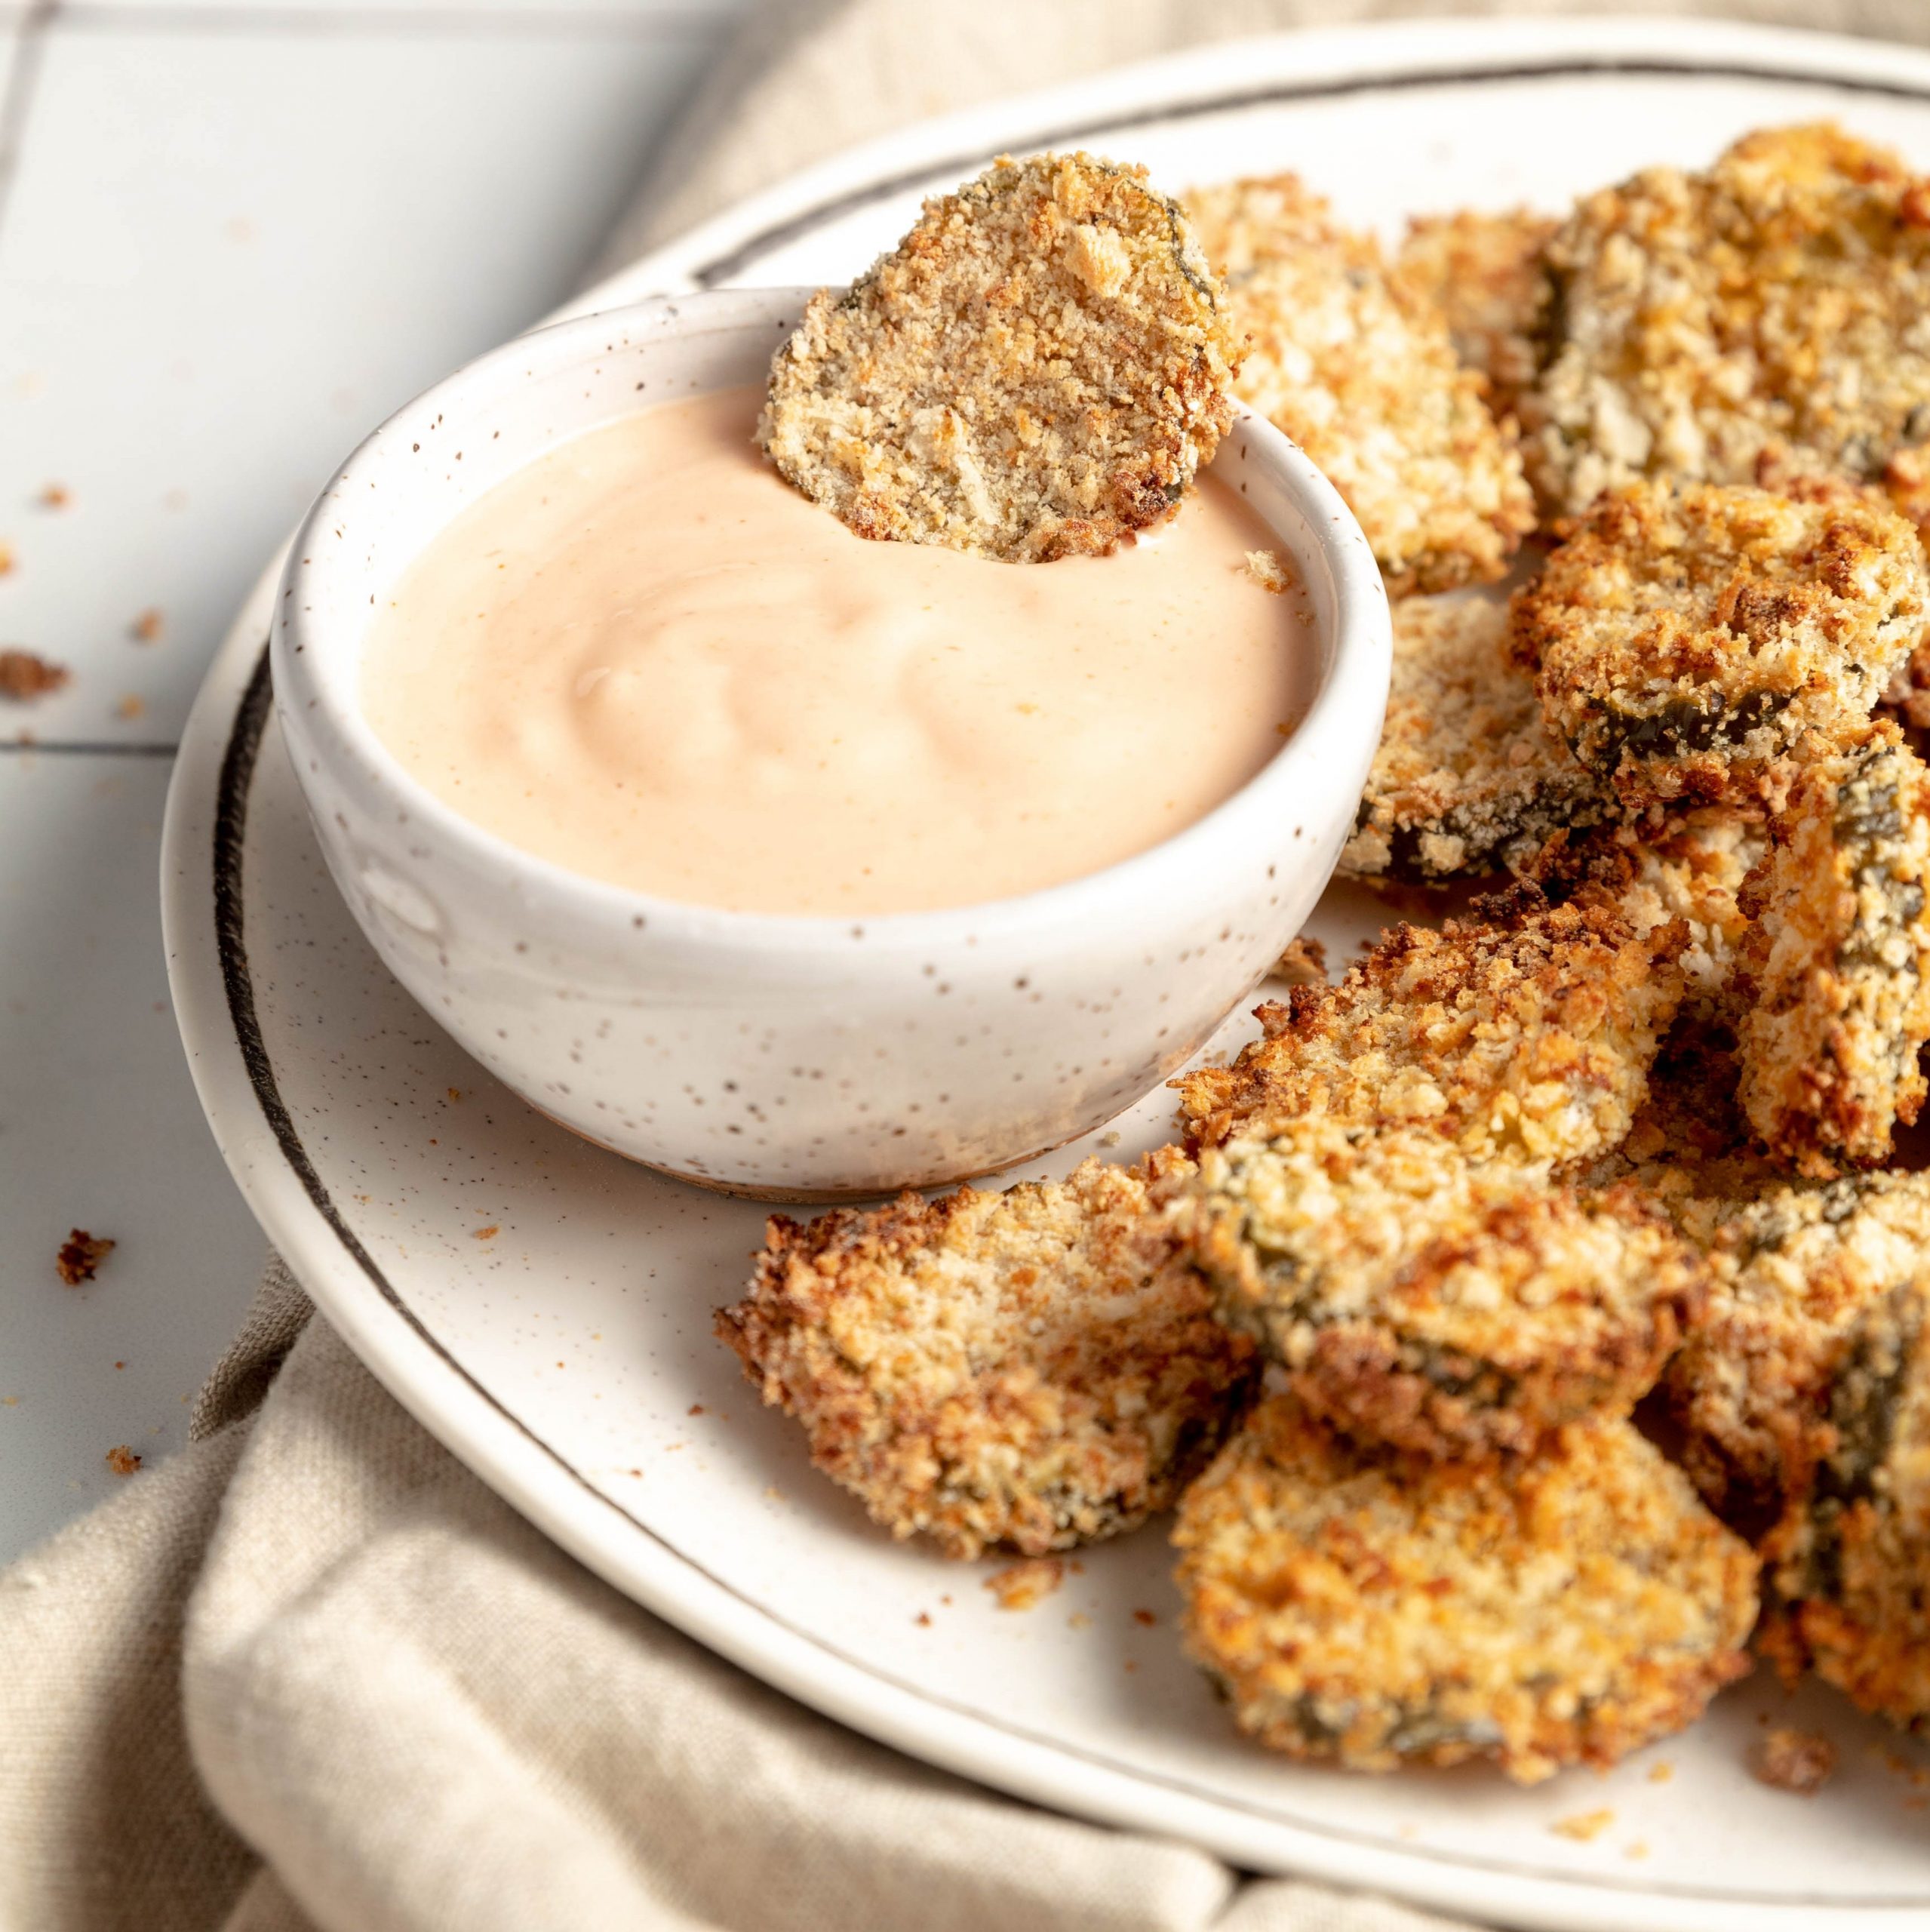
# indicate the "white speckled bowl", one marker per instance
pixel 792 1058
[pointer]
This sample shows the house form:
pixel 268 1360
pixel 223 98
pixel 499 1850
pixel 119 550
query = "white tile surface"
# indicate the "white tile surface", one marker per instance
pixel 368 17
pixel 225 257
pixel 98 1128
pixel 234 237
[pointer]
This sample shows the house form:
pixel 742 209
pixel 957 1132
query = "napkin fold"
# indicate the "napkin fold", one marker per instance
pixel 311 1673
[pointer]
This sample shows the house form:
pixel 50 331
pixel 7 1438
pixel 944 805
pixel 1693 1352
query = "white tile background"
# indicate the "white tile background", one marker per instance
pixel 232 238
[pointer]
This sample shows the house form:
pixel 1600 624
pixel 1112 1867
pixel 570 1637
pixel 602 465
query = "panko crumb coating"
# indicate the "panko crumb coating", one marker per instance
pixel 1526 1030
pixel 1467 778
pixel 1836 961
pixel 1438 1305
pixel 1484 272
pixel 1685 639
pixel 1040 1367
pixel 1037 369
pixel 1356 364
pixel 1766 315
pixel 1794 1266
pixel 1854 1557
pixel 1378 1610
pixel 1689 866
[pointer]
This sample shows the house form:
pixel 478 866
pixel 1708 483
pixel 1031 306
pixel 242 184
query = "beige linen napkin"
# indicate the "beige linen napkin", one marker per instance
pixel 312 1673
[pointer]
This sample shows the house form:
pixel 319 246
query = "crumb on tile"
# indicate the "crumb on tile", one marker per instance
pixel 1583 1826
pixel 1636 1848
pixel 1146 1617
pixel 455 1093
pixel 6 559
pixel 1661 1771
pixel 695 1409
pixel 56 496
pixel 146 629
pixel 122 1460
pixel 80 1256
pixel 1078 1620
pixel 923 1619
pixel 1027 1584
pixel 130 707
pixel 24 676
pixel 489 1233
pixel 1798 1761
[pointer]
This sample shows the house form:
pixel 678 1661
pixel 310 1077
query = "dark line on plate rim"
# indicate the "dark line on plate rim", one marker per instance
pixel 722 267
pixel 238 767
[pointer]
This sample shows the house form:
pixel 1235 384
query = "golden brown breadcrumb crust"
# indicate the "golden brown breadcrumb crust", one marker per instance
pixel 1040 1367
pixel 1484 272
pixel 1852 1558
pixel 1836 968
pixel 1794 1265
pixel 1684 639
pixel 1763 316
pixel 1038 369
pixel 1356 364
pixel 1525 1030
pixel 1467 778
pixel 1378 1610
pixel 1440 1305
pixel 1688 866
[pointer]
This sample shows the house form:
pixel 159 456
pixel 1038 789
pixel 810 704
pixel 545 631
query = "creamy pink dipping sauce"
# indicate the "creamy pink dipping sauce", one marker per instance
pixel 646 658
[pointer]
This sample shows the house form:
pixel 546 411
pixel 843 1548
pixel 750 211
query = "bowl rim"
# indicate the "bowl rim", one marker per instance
pixel 313 685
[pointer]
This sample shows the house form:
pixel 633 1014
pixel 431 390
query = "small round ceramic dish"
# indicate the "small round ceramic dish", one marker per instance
pixel 794 1058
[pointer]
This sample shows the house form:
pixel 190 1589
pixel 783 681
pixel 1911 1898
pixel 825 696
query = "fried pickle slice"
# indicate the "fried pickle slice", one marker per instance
pixel 1467 778
pixel 1439 1305
pixel 1484 272
pixel 1040 1367
pixel 1356 365
pixel 1853 1559
pixel 1836 962
pixel 1526 1030
pixel 1377 1611
pixel 1036 370
pixel 1685 639
pixel 1688 866
pixel 1766 315
pixel 1793 1266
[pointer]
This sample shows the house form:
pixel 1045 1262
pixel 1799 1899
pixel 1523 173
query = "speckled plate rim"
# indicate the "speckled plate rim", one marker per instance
pixel 205 930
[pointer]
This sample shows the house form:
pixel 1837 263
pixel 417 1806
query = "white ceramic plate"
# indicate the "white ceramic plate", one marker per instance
pixel 568 1358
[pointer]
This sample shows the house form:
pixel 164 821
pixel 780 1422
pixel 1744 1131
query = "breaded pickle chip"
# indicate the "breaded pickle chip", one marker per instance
pixel 1356 366
pixel 1525 1030
pixel 1837 960
pixel 1854 1558
pixel 1439 1305
pixel 1040 1367
pixel 1766 315
pixel 1379 1610
pixel 1793 1266
pixel 1467 778
pixel 1485 274
pixel 1037 369
pixel 1690 866
pixel 1686 638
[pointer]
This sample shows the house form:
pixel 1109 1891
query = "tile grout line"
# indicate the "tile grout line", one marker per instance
pixel 29 37
pixel 680 17
pixel 85 748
